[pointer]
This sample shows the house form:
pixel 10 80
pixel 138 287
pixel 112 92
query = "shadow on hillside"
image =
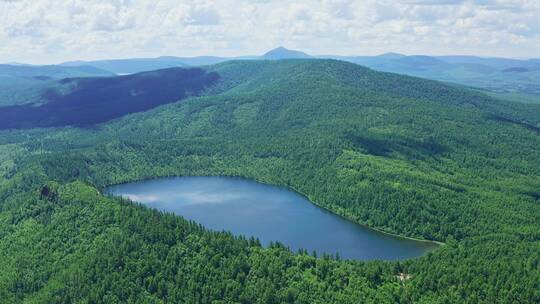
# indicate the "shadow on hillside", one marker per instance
pixel 97 100
pixel 412 149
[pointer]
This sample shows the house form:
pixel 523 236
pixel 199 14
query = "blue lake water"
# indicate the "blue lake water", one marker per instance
pixel 270 213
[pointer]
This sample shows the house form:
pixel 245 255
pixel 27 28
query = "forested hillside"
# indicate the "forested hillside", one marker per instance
pixel 23 84
pixel 404 155
pixel 501 75
pixel 87 101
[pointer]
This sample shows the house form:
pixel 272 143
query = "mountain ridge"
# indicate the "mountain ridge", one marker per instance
pixel 82 94
pixel 283 53
pixel 483 72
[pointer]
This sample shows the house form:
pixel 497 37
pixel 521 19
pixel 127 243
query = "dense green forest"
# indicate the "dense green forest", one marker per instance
pixel 404 155
pixel 501 75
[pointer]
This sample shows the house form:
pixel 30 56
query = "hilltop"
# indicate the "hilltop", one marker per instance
pixel 283 53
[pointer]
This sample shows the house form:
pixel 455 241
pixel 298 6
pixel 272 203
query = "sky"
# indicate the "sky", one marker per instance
pixel 51 31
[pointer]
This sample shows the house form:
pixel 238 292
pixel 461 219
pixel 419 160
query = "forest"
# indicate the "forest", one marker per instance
pixel 88 101
pixel 404 155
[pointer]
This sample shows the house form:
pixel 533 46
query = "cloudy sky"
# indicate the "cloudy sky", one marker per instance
pixel 49 31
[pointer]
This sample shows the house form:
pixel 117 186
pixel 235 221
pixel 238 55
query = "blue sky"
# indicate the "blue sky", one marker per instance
pixel 48 31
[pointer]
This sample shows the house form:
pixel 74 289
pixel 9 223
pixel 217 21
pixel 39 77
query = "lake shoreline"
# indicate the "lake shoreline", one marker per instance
pixel 342 215
pixel 355 222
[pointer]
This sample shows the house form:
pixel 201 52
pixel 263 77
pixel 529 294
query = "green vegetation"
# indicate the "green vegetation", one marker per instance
pixel 516 97
pixel 24 84
pixel 400 154
pixel 499 75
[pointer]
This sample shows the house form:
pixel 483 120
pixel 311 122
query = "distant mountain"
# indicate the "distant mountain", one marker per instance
pixel 51 71
pixel 137 65
pixel 196 61
pixel 420 61
pixel 391 56
pixel 516 70
pixel 21 84
pixel 130 66
pixel 16 63
pixel 283 53
pixel 495 74
pixel 209 60
pixel 499 63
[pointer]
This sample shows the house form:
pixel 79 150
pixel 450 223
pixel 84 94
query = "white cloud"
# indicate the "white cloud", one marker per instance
pixel 432 2
pixel 49 30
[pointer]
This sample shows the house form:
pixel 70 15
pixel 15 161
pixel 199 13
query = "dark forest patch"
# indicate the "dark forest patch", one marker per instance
pixel 373 146
pixel 510 121
pixel 97 100
pixel 413 149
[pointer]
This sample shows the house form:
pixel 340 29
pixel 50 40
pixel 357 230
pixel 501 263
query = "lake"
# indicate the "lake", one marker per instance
pixel 270 213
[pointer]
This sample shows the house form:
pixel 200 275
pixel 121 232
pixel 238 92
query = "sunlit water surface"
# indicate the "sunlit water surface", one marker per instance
pixel 270 213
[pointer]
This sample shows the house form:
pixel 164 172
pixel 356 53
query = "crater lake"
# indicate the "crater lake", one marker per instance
pixel 269 213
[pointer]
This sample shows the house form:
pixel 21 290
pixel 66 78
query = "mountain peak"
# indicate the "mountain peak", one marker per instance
pixel 284 53
pixel 391 55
